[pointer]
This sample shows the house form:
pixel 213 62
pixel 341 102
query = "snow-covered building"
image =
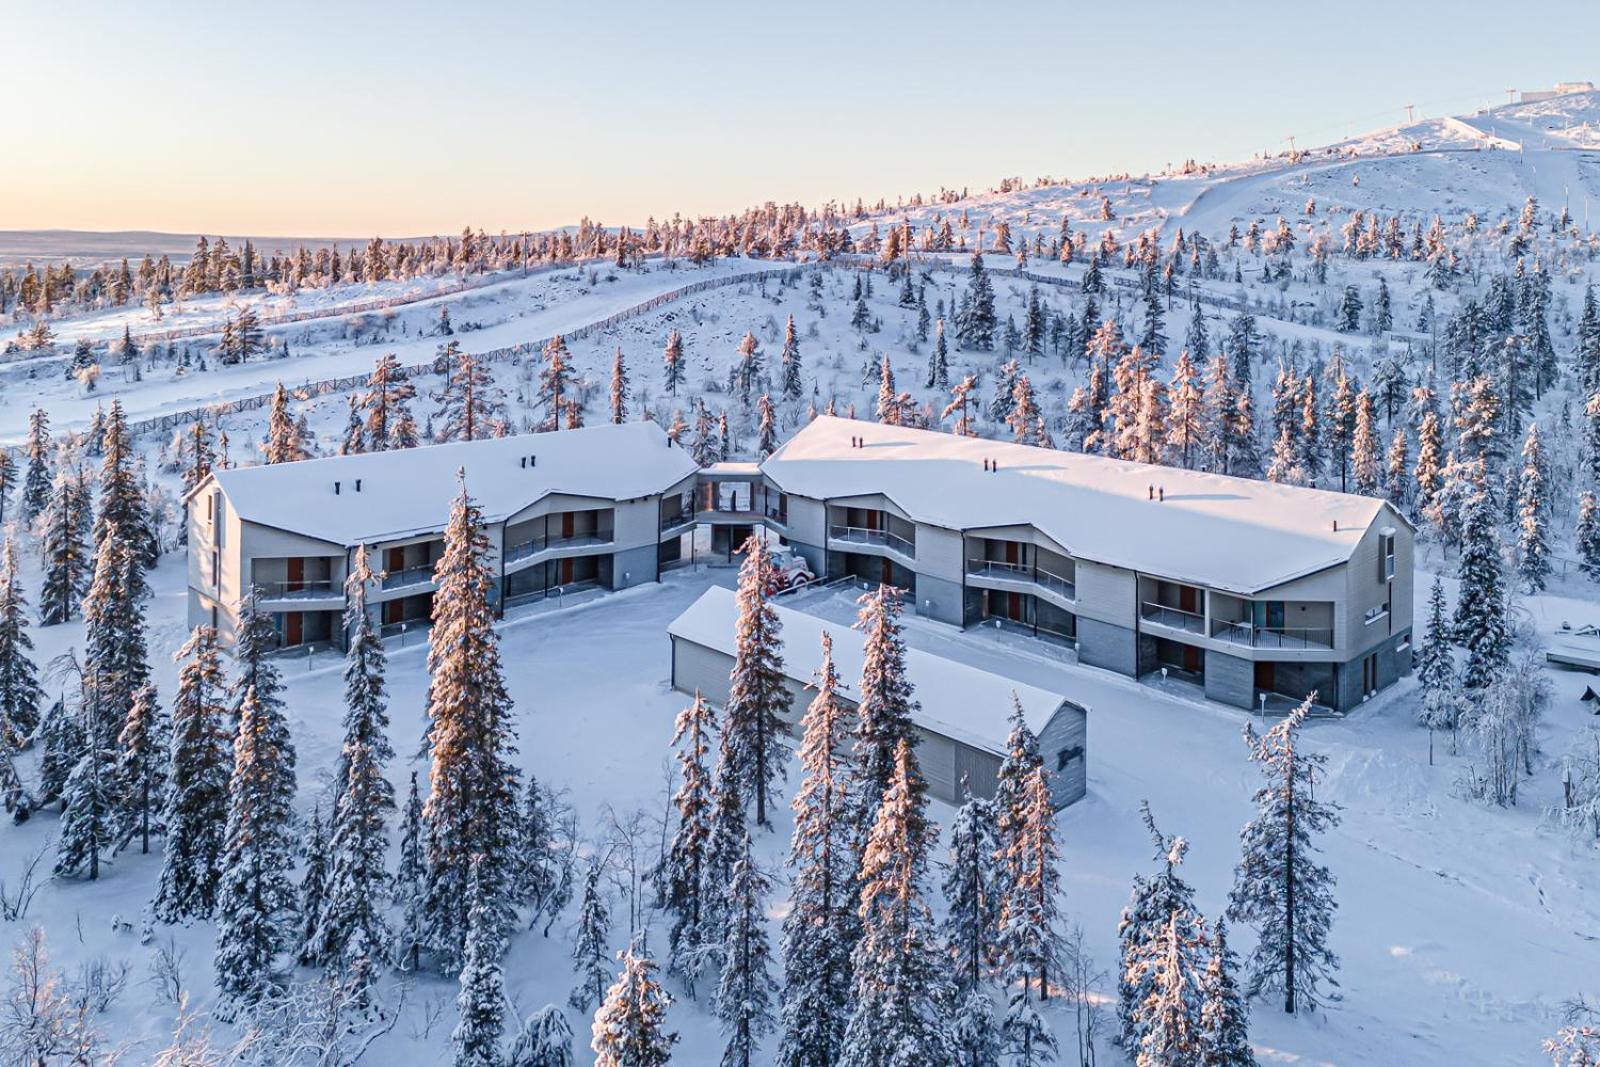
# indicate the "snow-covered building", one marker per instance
pixel 1246 587
pixel 604 506
pixel 962 715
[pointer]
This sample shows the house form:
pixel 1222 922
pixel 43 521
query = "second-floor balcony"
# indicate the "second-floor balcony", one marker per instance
pixel 999 570
pixel 1173 618
pixel 535 545
pixel 305 589
pixel 863 535
pixel 409 576
pixel 1273 637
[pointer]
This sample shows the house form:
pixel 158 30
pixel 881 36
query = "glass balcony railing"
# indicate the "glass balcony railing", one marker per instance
pixel 861 535
pixel 1001 570
pixel 1177 618
pixel 305 589
pixel 422 575
pixel 1285 637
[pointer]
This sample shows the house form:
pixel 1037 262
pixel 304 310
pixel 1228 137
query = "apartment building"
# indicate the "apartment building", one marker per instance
pixel 1252 590
pixel 606 506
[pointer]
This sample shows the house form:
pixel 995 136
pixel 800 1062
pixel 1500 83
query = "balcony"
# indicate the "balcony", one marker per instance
pixel 861 535
pixel 1277 637
pixel 306 589
pixel 678 521
pixel 1173 618
pixel 535 545
pixel 997 570
pixel 410 576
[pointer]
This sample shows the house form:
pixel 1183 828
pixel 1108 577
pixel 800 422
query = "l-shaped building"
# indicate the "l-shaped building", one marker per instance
pixel 1252 589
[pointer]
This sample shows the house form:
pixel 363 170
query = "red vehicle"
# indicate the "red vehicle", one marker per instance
pixel 789 571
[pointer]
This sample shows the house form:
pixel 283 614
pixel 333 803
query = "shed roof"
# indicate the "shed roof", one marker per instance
pixel 1235 534
pixel 408 491
pixel 957 701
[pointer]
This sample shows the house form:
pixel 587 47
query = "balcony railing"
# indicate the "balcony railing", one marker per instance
pixel 1288 637
pixel 680 518
pixel 860 535
pixel 422 575
pixel 1003 570
pixel 533 546
pixel 1176 618
pixel 305 589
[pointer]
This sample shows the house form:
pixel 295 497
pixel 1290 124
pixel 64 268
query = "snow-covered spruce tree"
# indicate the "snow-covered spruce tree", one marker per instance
pixel 1533 515
pixel 1171 1011
pixel 589 953
pixel 115 663
pixel 679 876
pixel 672 363
pixel 469 400
pixel 123 510
pixel 1224 1012
pixel 41 468
pixel 1440 708
pixel 899 992
pixel 8 481
pixel 975 326
pixel 885 706
pixel 973 895
pixel 313 901
pixel 1029 941
pixel 472 803
pixel 143 749
pixel 19 677
pixel 545 1040
pixel 1480 622
pixel 354 931
pixel 746 989
pixel 766 427
pixel 64 742
pixel 283 433
pixel 66 559
pixel 255 897
pixel 789 383
pixel 620 391
pixel 196 808
pixel 1279 887
pixel 1364 466
pixel 389 422
pixel 821 929
pixel 89 797
pixel 630 1027
pixel 974 1034
pixel 254 669
pixel 1153 901
pixel 938 360
pixel 475 1042
pixel 410 886
pixel 752 732
pixel 557 384
pixel 544 865
pixel 1586 538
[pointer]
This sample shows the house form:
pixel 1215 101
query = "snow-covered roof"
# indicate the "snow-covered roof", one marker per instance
pixel 408 491
pixel 957 701
pixel 1234 534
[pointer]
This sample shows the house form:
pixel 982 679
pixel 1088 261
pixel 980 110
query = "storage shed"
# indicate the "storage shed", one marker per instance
pixel 963 718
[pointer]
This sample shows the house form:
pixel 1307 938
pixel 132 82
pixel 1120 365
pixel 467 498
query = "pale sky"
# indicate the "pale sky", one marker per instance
pixel 340 118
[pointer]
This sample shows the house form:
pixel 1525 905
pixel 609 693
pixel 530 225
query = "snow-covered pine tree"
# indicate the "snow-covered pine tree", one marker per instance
pixel 255 897
pixel 1480 623
pixel 472 803
pixel 672 363
pixel 589 943
pixel 544 1041
pixel 41 469
pixel 974 1035
pixel 938 360
pixel 8 481
pixel 475 1042
pixel 89 797
pixel 766 427
pixel 976 327
pixel 283 433
pixel 1171 1011
pixel 122 500
pixel 353 932
pixel 557 384
pixel 1279 887
pixel 1586 538
pixel 630 1026
pixel 410 887
pixel 308 945
pixel 973 895
pixel 196 808
pixel 790 385
pixel 115 664
pixel 1224 1012
pixel 20 692
pixel 66 558
pixel 469 401
pixel 1154 901
pixel 1533 515
pixel 1029 943
pixel 746 990
pixel 1185 420
pixel 899 992
pixel 355 437
pixel 389 422
pixel 544 867
pixel 1364 467
pixel 884 709
pixel 821 929
pixel 620 391
pixel 679 875
pixel 1440 708
pixel 752 732
pixel 143 749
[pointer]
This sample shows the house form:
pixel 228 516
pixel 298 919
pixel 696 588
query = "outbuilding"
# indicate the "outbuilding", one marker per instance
pixel 962 720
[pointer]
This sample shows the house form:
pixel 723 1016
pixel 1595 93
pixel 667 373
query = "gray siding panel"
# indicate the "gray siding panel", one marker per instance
pixel 1229 679
pixel 633 566
pixel 939 599
pixel 696 667
pixel 1102 644
pixel 1066 732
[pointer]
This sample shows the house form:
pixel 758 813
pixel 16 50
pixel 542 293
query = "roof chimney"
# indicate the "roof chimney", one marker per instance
pixel 358 485
pixel 335 488
pixel 1335 525
pixel 1161 494
pixel 1150 492
pixel 985 463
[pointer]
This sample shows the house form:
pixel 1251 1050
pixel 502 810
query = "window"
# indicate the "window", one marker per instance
pixel 1386 556
pixel 1067 755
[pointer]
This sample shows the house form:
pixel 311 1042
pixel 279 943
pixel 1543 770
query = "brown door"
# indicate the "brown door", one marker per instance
pixel 294 625
pixel 1191 659
pixel 1014 606
pixel 397 560
pixel 566 524
pixel 887 577
pixel 393 611
pixel 1266 678
pixel 1013 552
pixel 872 520
pixel 1188 600
pixel 566 571
pixel 297 574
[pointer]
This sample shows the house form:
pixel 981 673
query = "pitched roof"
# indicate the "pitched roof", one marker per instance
pixel 957 701
pixel 1235 534
pixel 407 492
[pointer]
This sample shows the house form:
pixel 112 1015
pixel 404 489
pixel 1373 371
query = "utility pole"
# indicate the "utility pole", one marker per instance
pixel 1411 114
pixel 1511 96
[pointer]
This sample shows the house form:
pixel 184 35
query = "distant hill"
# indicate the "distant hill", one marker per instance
pixel 91 247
